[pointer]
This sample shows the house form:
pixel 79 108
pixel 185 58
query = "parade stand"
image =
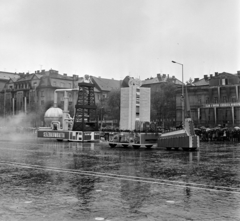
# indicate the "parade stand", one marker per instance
pixel 135 128
pixel 185 138
pixel 134 139
pixel 82 127
pixel 137 131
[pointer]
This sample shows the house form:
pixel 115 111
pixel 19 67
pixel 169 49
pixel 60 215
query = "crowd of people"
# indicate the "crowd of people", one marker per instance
pixel 218 134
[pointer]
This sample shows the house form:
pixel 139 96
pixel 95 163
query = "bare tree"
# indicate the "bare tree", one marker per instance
pixel 163 105
pixel 113 105
pixel 189 82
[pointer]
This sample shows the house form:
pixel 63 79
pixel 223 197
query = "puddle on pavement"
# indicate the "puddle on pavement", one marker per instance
pixel 173 176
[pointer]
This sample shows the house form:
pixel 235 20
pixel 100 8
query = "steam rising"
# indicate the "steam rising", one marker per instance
pixel 19 126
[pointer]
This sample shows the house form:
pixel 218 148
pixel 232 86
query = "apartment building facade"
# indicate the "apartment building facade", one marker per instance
pixel 214 100
pixel 25 92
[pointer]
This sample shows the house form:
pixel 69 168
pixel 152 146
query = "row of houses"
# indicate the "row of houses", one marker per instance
pixel 20 91
pixel 214 99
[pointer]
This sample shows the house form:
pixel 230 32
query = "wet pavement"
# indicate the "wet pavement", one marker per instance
pixel 49 180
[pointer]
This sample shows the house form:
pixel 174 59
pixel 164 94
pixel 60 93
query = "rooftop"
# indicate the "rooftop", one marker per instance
pixel 7 75
pixel 105 84
pixel 160 79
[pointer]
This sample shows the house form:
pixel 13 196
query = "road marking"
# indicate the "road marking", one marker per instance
pixel 28 202
pixel 124 177
pixel 170 201
pixel 188 184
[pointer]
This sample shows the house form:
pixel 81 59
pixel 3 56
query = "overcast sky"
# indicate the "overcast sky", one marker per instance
pixel 115 38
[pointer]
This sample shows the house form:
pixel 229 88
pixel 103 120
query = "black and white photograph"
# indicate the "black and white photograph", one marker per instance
pixel 119 110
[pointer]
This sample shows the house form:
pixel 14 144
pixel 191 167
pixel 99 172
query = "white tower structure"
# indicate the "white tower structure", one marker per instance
pixel 135 105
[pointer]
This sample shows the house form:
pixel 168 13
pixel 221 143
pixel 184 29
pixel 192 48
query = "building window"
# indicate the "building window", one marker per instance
pixel 137 110
pixel 62 84
pixel 199 100
pixel 42 93
pixel 70 85
pixel 42 102
pixel 104 95
pixel 233 99
pixel 207 100
pixel 224 81
pixel 138 98
pixel 215 100
pixel 54 83
pixel 224 99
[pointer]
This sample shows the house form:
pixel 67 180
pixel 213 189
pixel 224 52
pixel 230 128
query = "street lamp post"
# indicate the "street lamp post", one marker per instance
pixel 183 112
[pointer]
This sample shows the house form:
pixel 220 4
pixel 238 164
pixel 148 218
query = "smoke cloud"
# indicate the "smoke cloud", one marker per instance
pixel 17 127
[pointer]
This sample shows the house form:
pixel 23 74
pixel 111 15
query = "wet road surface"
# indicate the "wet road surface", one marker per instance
pixel 48 180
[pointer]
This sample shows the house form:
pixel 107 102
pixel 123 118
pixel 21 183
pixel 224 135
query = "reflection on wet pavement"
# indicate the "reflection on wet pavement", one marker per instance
pixel 48 180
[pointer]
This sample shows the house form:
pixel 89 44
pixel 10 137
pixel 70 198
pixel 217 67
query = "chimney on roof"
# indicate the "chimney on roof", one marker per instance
pixel 216 74
pixel 238 73
pixel 196 79
pixel 159 77
pixel 211 76
pixel 205 77
pixel 53 73
pixel 164 75
pixel 75 77
pixel 65 75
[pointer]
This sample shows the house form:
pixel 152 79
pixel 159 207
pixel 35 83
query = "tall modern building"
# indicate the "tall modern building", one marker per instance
pixel 135 104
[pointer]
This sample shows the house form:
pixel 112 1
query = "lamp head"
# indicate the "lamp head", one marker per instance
pixel 173 61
